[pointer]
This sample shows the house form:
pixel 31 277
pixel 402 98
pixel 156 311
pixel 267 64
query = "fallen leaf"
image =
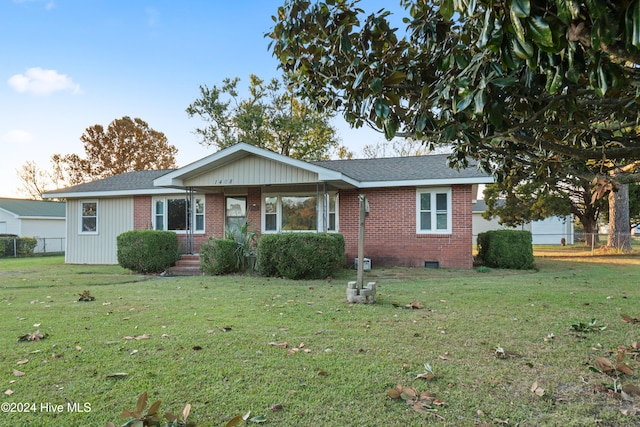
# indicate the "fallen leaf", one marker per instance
pixel 35 336
pixel 426 376
pixel 280 345
pixel 186 411
pixel 143 337
pixel 538 391
pixel 117 375
pixel 416 305
pixel 18 373
pixel 624 368
pixel 196 347
pixel 277 407
pixel 8 392
pixel 234 421
pixel 22 362
pixel 604 365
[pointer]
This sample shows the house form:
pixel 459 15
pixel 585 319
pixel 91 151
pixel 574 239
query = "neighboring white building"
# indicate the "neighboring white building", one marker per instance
pixel 34 218
pixel 549 231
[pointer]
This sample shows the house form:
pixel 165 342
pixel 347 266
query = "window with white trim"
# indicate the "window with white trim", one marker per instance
pixel 171 214
pixel 433 211
pixel 299 212
pixel 89 217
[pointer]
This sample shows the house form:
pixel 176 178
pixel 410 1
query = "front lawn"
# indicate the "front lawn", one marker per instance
pixel 506 347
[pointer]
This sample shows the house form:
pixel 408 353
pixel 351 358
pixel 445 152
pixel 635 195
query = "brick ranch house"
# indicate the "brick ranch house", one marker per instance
pixel 420 210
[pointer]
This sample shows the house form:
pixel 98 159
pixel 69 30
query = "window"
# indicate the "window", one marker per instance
pixel 433 210
pixel 235 214
pixel 300 212
pixel 89 217
pixel 332 212
pixel 171 214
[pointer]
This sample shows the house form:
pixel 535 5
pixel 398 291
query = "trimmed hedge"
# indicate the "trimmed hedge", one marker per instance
pixel 506 249
pixel 219 256
pixel 300 255
pixel 147 251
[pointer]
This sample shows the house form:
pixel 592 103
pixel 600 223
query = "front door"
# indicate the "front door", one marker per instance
pixel 235 215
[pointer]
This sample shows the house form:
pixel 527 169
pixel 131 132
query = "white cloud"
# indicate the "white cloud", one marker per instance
pixel 42 82
pixel 18 136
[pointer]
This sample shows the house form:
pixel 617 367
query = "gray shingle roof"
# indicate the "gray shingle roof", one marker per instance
pixel 33 208
pixel 400 168
pixel 130 181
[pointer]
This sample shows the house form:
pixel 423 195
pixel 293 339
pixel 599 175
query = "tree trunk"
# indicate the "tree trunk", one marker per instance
pixel 619 224
pixel 590 232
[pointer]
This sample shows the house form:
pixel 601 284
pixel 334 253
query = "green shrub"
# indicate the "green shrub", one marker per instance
pixel 220 256
pixel 506 249
pixel 4 247
pixel 26 245
pixel 300 255
pixel 147 251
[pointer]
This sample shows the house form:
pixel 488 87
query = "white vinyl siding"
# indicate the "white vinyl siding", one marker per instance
pixel 115 217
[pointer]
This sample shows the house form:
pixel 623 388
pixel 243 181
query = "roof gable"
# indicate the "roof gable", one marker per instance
pixel 244 164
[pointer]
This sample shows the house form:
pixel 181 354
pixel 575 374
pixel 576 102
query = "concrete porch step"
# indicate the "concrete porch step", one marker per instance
pixel 187 265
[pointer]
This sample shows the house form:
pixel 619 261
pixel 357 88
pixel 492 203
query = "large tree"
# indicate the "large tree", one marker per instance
pixel 125 145
pixel 271 117
pixel 554 79
pixel 516 201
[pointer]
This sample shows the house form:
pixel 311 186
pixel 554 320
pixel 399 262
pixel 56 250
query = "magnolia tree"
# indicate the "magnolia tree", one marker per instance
pixel 548 83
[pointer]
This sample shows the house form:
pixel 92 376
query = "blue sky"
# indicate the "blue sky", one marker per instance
pixel 70 64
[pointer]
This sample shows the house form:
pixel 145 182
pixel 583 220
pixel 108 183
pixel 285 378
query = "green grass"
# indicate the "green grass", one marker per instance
pixel 210 344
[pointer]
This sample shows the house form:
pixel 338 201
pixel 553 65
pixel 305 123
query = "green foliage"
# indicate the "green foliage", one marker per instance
pixel 25 246
pixel 550 84
pixel 591 326
pixel 272 117
pixel 300 255
pixel 147 251
pixel 506 249
pixel 219 256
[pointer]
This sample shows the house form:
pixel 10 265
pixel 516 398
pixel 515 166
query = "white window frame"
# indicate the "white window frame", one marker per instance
pixel 433 191
pixel 165 214
pixel 81 217
pixel 320 204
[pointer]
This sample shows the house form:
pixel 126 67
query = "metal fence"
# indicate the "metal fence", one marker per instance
pixel 14 247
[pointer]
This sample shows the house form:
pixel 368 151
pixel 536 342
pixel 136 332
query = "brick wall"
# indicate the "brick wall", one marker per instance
pixel 391 238
pixel 142 213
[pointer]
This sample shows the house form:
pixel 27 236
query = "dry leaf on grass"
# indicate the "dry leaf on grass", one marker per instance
pixel 18 373
pixel 538 391
pixel 35 336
